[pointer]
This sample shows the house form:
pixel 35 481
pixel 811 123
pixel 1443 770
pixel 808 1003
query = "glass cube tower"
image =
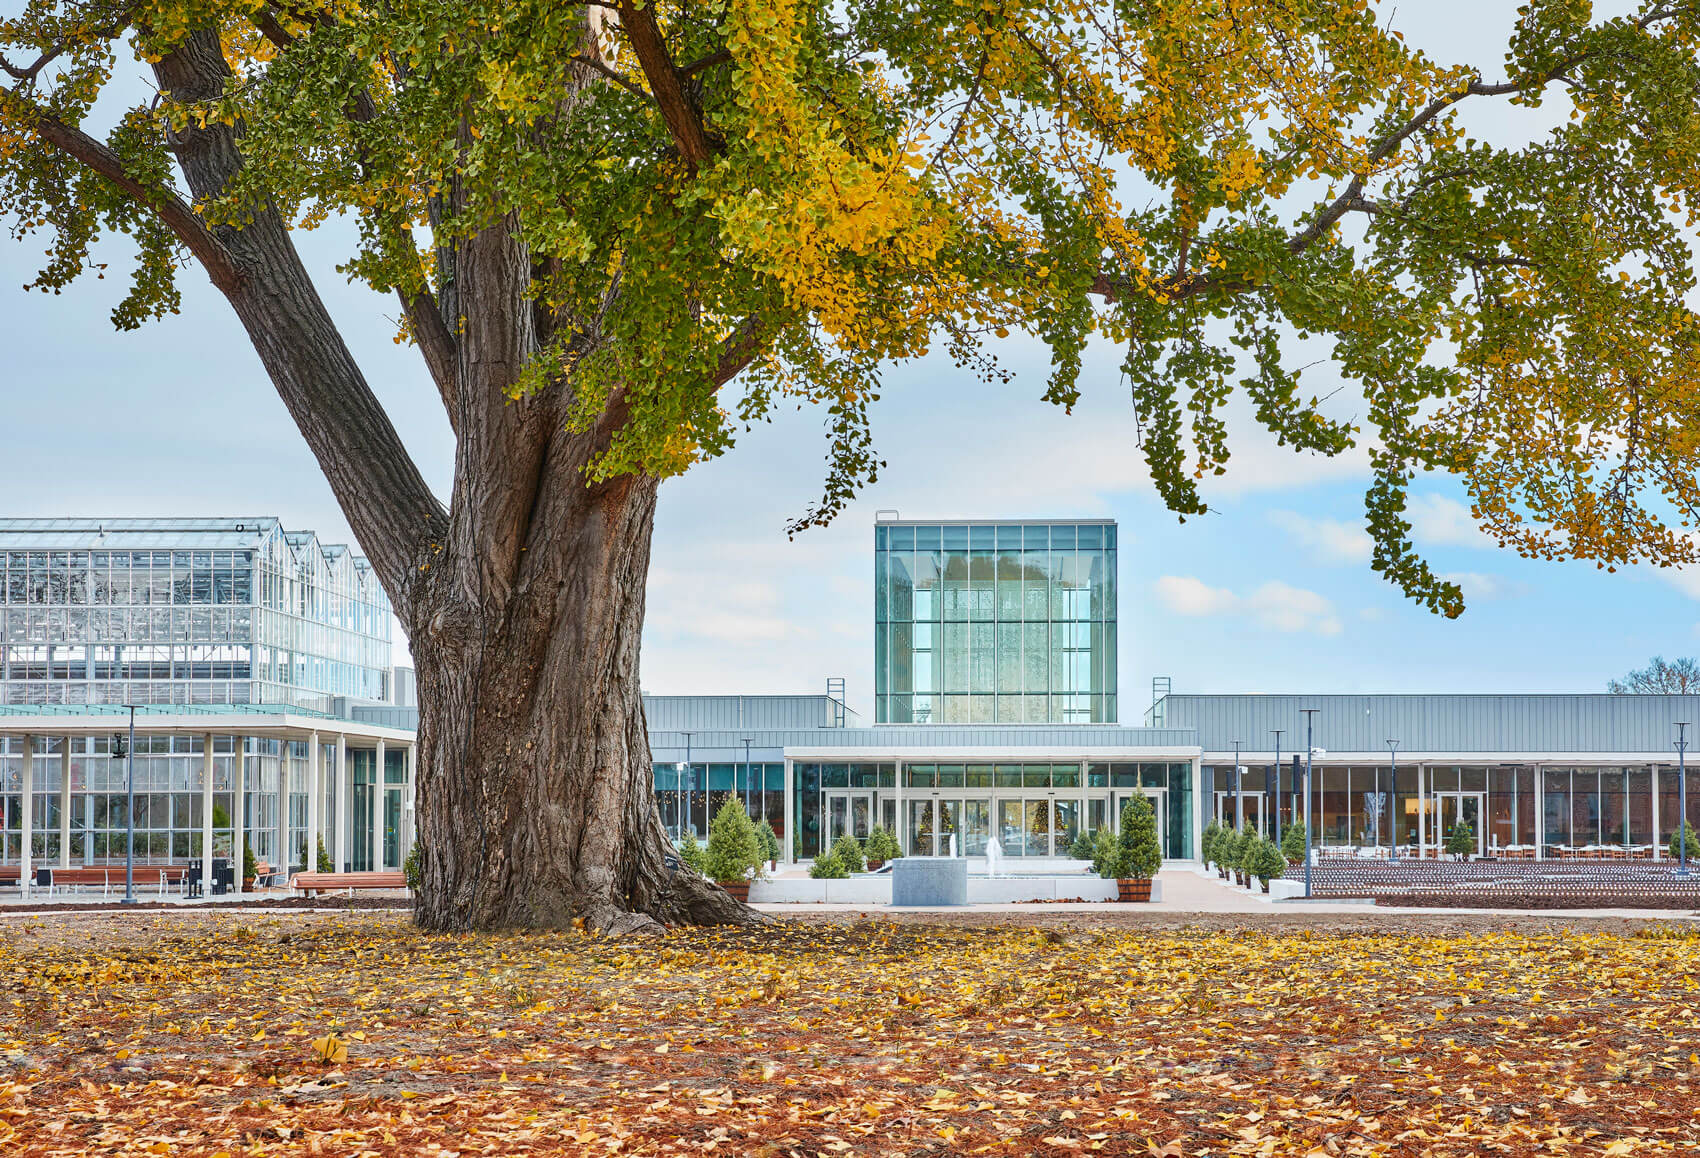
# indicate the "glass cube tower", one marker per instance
pixel 995 623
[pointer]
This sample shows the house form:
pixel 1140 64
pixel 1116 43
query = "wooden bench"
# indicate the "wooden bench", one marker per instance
pixel 311 883
pixel 109 877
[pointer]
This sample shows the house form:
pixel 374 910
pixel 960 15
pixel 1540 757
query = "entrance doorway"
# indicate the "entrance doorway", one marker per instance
pixel 1452 807
pixel 933 822
pixel 848 812
pixel 1251 805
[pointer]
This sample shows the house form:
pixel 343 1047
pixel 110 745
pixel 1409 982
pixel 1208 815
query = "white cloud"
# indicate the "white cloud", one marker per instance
pixel 1684 579
pixel 1332 539
pixel 1275 605
pixel 1479 587
pixel 1185 595
pixel 1437 521
pixel 1282 607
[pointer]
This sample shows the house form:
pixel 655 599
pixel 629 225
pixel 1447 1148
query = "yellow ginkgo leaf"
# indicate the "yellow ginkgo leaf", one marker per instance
pixel 330 1049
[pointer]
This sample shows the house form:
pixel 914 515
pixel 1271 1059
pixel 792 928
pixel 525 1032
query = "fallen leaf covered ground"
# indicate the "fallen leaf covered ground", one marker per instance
pixel 244 1034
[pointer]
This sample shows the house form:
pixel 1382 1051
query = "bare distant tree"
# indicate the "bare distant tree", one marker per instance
pixel 1680 677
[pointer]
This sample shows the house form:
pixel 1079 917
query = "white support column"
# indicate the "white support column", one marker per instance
pixel 375 814
pixel 1422 811
pixel 207 814
pixel 1653 771
pixel 339 802
pixel 238 810
pixel 902 833
pixel 409 794
pixel 1085 808
pixel 65 802
pixel 285 764
pixel 315 793
pixel 790 849
pixel 1198 804
pixel 28 818
pixel 1540 813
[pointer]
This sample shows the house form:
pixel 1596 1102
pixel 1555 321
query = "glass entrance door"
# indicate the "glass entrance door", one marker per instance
pixel 1453 807
pixel 1250 805
pixel 976 826
pixel 849 812
pixel 934 823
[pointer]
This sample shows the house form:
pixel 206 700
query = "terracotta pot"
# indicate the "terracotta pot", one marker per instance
pixel 247 884
pixel 738 890
pixel 874 865
pixel 1133 890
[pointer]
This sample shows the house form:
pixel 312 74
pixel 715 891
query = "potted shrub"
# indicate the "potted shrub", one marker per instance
pixel 1207 843
pixel 1139 856
pixel 250 866
pixel 848 850
pixel 1107 855
pixel 829 868
pixel 769 842
pixel 1242 846
pixel 410 868
pixel 882 846
pixel 1228 854
pixel 1082 847
pixel 1461 841
pixel 1293 844
pixel 734 854
pixel 324 863
pixel 1686 834
pixel 1265 862
pixel 690 852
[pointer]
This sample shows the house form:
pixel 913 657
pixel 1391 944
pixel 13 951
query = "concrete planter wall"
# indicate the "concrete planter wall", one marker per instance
pixel 871 890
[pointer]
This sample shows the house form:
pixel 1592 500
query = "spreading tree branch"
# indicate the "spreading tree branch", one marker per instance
pixel 678 110
pixel 172 210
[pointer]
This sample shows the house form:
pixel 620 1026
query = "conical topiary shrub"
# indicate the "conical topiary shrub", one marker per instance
pixel 1139 855
pixel 734 853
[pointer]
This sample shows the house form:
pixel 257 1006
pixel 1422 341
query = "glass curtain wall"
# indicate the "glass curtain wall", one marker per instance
pixel 688 798
pixel 285 621
pixel 988 623
pixel 1032 808
pixel 168 821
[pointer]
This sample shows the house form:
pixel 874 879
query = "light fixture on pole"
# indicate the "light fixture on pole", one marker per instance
pixel 1311 752
pixel 130 814
pixel 690 785
pixel 746 775
pixel 1682 793
pixel 1392 794
pixel 1272 787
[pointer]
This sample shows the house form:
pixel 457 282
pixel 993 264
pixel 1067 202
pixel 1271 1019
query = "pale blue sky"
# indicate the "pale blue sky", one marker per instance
pixel 1271 592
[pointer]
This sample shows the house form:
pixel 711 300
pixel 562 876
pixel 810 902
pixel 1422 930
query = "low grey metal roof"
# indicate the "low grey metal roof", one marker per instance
pixel 134 534
pixel 1558 723
pixel 731 713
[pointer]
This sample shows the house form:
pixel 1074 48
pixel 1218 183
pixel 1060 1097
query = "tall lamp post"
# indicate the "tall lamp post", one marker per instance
pixel 1682 794
pixel 130 813
pixel 746 775
pixel 1272 786
pixel 1310 753
pixel 1392 794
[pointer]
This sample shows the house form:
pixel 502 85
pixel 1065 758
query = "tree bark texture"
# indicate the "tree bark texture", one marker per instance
pixel 523 600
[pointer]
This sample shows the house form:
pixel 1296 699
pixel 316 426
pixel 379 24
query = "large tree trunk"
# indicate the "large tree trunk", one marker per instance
pixel 536 801
pixel 523 601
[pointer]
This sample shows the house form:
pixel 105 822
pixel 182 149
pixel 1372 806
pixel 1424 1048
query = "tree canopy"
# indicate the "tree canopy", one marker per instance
pixel 731 204
pixel 1679 677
